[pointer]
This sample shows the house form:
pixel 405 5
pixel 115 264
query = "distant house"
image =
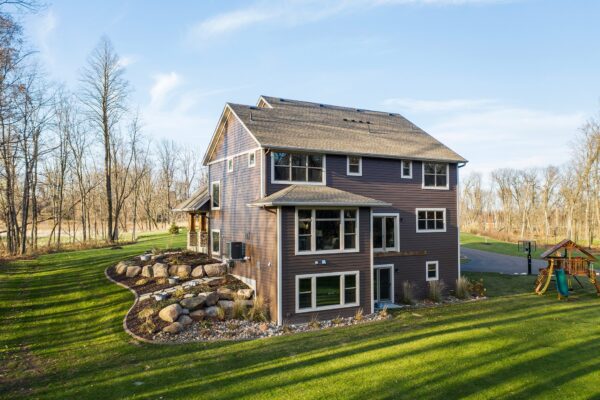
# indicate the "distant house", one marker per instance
pixel 325 209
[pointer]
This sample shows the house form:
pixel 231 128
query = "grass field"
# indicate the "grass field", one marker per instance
pixel 61 338
pixel 495 246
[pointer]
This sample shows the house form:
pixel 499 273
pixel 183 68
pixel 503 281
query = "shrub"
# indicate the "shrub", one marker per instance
pixel 436 291
pixel 383 313
pixel 337 320
pixel 258 312
pixel 146 313
pixel 463 287
pixel 174 229
pixel 220 313
pixel 359 315
pixel 239 308
pixel 314 322
pixel 478 289
pixel 148 326
pixel 408 292
pixel 179 293
pixel 141 281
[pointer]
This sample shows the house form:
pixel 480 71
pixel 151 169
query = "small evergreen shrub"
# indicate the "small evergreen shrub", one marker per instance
pixel 435 291
pixel 478 289
pixel 408 292
pixel 174 229
pixel 463 287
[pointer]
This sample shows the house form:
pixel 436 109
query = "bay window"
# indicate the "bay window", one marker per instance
pixel 326 230
pixel 435 175
pixel 293 167
pixel 385 232
pixel 327 291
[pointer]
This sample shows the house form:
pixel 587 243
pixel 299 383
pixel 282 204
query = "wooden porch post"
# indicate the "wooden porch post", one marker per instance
pixel 192 222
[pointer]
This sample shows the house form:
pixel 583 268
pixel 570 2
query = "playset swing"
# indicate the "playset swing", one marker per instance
pixel 566 266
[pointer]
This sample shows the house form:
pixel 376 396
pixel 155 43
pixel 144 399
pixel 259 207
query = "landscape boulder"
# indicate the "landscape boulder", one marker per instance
pixel 121 267
pixel 198 315
pixel 193 303
pixel 133 271
pixel 210 298
pixel 245 294
pixel 147 271
pixel 174 328
pixel 226 305
pixel 160 270
pixel 182 271
pixel 215 269
pixel 225 293
pixel 170 313
pixel 185 320
pixel 216 282
pixel 211 312
pixel 198 272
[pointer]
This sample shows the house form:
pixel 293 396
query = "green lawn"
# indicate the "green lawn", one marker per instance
pixel 495 246
pixel 61 338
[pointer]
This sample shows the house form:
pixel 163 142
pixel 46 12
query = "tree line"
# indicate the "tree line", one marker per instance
pixel 75 165
pixel 547 204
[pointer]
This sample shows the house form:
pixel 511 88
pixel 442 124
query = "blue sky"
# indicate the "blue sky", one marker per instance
pixel 504 83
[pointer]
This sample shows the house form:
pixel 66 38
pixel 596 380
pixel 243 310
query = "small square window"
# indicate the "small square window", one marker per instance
pixel 354 165
pixel 406 169
pixel 251 159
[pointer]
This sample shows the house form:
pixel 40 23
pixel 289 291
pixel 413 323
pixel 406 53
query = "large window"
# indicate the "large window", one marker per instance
pixel 385 232
pixel 431 220
pixel 435 175
pixel 432 270
pixel 354 165
pixel 215 195
pixel 326 291
pixel 292 167
pixel 215 236
pixel 326 230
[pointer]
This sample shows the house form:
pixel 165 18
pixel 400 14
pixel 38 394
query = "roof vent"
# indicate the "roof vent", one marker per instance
pixel 358 110
pixel 282 100
pixel 391 114
pixel 346 119
pixel 321 105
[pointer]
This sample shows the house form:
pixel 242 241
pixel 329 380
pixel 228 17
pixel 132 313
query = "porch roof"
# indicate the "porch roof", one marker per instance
pixel 197 200
pixel 316 195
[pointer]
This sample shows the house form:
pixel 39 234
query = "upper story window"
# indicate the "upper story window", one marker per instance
pixel 326 230
pixel 406 169
pixel 230 164
pixel 354 165
pixel 297 168
pixel 431 220
pixel 435 175
pixel 385 232
pixel 251 159
pixel 215 195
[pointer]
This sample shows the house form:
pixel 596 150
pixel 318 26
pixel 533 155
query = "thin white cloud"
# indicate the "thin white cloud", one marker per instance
pixel 163 85
pixel 127 60
pixel 45 26
pixel 419 106
pixel 296 12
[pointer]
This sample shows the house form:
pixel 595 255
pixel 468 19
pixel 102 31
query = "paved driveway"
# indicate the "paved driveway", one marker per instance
pixel 485 261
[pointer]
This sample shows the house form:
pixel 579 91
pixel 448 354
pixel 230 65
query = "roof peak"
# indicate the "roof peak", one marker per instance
pixel 275 101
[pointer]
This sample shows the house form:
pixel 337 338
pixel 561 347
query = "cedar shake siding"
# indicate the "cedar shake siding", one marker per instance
pixel 255 227
pixel 293 265
pixel 381 180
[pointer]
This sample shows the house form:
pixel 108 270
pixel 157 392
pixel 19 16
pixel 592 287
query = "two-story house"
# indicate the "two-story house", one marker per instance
pixel 331 207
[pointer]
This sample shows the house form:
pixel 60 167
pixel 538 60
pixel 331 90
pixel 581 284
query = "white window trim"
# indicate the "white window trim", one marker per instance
pixel 211 196
pixel 211 241
pixel 430 230
pixel 251 164
pixel 391 267
pixel 314 291
pixel 230 159
pixel 396 229
pixel 313 232
pixel 435 187
pixel 274 181
pixel 437 271
pixel 359 173
pixel 410 165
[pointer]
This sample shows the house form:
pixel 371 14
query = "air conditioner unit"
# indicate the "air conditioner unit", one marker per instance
pixel 236 250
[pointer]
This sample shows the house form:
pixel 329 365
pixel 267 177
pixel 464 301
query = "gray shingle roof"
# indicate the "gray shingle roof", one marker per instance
pixel 316 195
pixel 299 125
pixel 195 202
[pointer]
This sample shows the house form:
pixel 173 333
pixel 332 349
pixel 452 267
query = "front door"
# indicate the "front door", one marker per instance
pixel 382 284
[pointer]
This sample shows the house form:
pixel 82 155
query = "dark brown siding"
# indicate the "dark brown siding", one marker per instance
pixel 381 180
pixel 238 222
pixel 305 264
